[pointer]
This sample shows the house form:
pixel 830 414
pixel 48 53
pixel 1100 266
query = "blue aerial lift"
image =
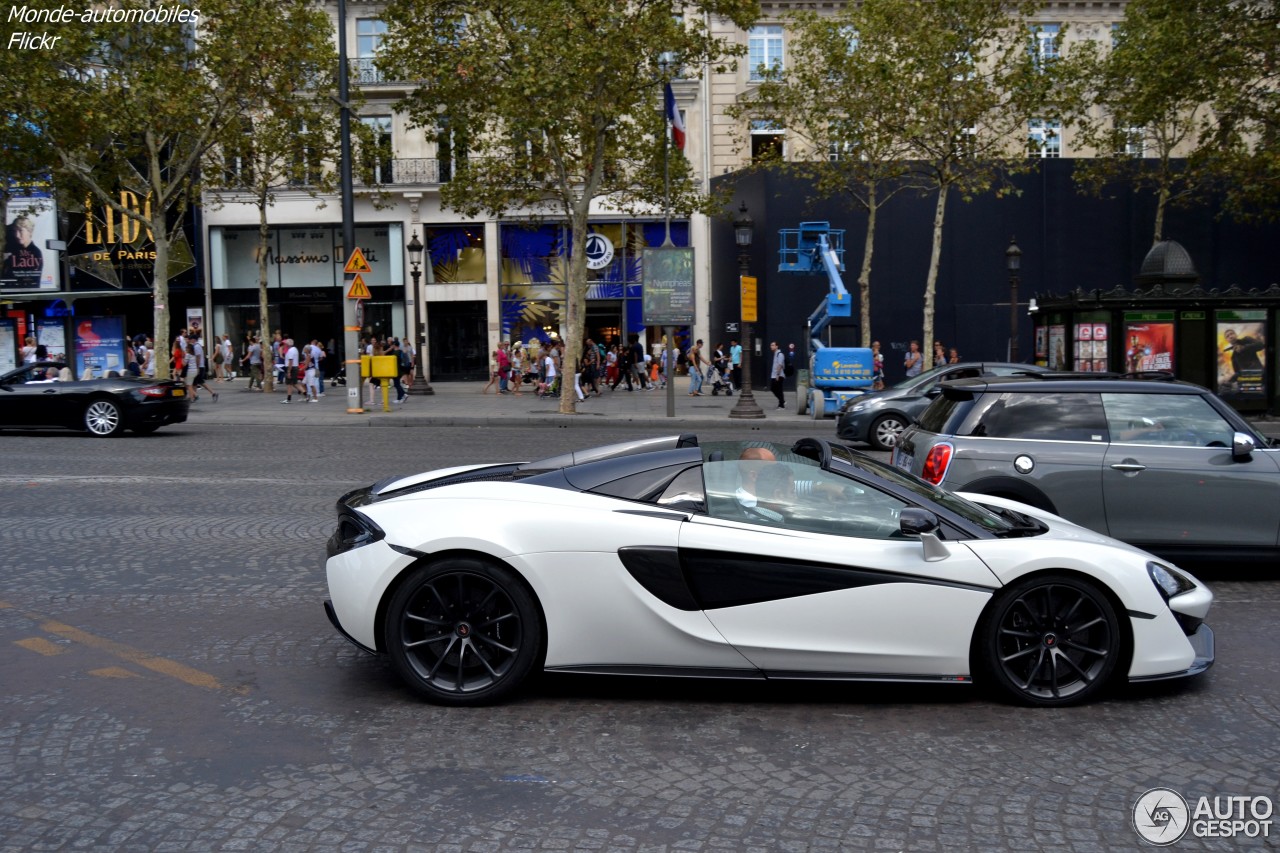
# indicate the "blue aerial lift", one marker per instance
pixel 835 373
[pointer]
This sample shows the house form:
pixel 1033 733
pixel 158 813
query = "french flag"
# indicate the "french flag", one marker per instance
pixel 673 116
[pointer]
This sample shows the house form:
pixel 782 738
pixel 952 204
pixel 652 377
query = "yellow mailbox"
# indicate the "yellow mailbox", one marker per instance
pixel 379 366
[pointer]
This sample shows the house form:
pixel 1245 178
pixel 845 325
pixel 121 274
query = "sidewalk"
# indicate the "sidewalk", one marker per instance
pixel 462 404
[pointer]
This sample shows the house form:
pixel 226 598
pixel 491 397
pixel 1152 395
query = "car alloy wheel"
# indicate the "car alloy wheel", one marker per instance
pixel 102 418
pixel 885 431
pixel 1051 640
pixel 463 631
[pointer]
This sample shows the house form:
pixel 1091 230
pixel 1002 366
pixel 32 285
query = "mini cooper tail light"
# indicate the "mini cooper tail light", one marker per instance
pixel 937 463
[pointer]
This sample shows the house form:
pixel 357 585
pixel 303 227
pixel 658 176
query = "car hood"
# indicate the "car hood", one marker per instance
pixel 1059 528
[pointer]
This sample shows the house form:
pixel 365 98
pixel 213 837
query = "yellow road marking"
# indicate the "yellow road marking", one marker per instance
pixel 164 666
pixel 40 646
pixel 113 672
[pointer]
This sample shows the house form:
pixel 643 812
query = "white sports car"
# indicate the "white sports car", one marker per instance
pixel 745 560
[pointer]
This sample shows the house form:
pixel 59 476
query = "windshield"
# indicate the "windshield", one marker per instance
pixel 923 378
pixel 985 518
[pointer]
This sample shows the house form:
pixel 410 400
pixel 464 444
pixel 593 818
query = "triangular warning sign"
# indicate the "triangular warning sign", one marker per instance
pixel 357 263
pixel 359 290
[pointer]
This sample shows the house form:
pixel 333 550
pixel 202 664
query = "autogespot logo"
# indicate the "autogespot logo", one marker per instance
pixel 1162 816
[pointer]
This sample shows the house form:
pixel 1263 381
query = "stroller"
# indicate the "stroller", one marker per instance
pixel 718 381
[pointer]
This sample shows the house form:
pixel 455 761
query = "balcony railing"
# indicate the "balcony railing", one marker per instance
pixel 406 171
pixel 365 72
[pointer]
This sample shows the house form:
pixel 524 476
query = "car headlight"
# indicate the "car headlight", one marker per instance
pixel 1170 582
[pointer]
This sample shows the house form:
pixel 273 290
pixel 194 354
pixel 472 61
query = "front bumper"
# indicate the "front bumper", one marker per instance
pixel 1202 643
pixel 852 426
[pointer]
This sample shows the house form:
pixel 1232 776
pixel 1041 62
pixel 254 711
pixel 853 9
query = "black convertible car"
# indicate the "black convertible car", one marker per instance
pixel 45 394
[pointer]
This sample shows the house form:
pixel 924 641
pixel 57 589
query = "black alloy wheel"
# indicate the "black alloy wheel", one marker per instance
pixel 102 418
pixel 1051 640
pixel 885 430
pixel 463 632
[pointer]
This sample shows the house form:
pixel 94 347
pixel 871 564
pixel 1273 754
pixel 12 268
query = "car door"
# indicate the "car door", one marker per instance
pixel 820 583
pixel 1169 477
pixel 27 398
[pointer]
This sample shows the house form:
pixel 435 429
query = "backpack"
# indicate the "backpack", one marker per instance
pixel 403 361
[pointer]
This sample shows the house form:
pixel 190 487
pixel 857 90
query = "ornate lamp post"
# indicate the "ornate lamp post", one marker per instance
pixel 743 234
pixel 420 384
pixel 1013 262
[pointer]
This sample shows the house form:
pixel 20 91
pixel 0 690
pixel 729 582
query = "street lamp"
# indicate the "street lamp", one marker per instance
pixel 743 234
pixel 1013 262
pixel 420 384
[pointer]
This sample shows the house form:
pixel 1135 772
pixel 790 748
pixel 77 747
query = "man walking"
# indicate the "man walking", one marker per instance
pixel 696 365
pixel 777 373
pixel 735 364
pixel 290 369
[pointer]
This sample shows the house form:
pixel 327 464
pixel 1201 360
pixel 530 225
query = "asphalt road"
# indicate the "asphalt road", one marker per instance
pixel 170 683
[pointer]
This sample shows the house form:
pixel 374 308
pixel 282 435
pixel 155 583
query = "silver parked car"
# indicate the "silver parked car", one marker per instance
pixel 1157 463
pixel 879 417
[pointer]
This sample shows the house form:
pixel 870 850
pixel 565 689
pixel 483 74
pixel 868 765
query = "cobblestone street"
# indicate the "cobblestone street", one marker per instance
pixel 171 684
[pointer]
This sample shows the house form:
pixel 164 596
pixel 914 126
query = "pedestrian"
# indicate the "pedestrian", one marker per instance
pixel 517 367
pixel 197 347
pixel 777 373
pixel 254 359
pixel 637 362
pixel 408 359
pixel 190 370
pixel 590 367
pixel 29 350
pixel 393 349
pixel 493 371
pixel 131 361
pixel 291 360
pixel 548 387
pixel 317 361
pixel 503 357
pixel 877 367
pixel 913 361
pixel 219 367
pixel 697 364
pixel 372 348
pixel 312 383
pixel 735 365
pixel 954 356
pixel 939 353
pixel 228 357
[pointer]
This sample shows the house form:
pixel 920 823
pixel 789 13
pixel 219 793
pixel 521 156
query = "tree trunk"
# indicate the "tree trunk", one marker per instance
pixel 1162 199
pixel 160 295
pixel 264 310
pixel 864 275
pixel 575 309
pixel 931 281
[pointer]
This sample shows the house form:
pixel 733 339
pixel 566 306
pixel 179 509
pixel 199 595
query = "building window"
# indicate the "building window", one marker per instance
pixel 764 49
pixel 375 161
pixel 1134 141
pixel 1044 138
pixel 1044 43
pixel 767 141
pixel 369 35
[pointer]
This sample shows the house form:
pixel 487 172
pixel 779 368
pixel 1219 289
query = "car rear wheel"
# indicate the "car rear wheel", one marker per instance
pixel 102 418
pixel 463 632
pixel 1051 640
pixel 885 430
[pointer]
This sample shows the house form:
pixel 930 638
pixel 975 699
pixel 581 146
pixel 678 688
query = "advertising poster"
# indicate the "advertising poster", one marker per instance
pixel 195 321
pixel 1042 342
pixel 8 344
pixel 28 265
pixel 99 346
pixel 1058 347
pixel 1242 338
pixel 54 338
pixel 1148 346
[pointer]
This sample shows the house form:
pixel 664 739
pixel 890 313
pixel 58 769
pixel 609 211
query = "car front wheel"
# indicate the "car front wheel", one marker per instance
pixel 463 632
pixel 102 418
pixel 1051 640
pixel 885 430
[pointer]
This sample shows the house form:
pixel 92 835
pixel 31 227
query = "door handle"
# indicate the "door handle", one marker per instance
pixel 1129 467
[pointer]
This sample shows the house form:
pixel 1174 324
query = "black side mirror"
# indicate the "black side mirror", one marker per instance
pixel 914 521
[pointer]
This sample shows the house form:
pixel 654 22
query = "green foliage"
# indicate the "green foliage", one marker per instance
pixel 561 104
